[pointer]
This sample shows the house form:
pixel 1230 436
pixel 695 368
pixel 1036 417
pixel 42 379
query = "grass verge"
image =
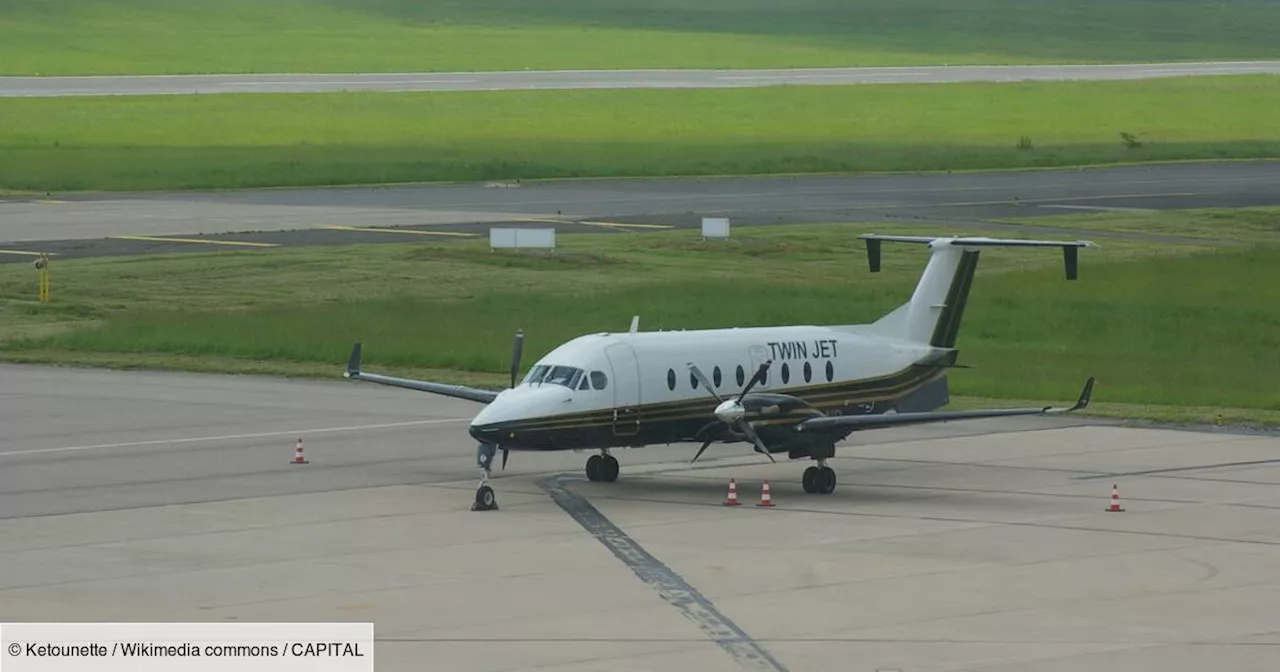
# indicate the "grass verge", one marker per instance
pixel 1172 331
pixel 178 142
pixel 148 37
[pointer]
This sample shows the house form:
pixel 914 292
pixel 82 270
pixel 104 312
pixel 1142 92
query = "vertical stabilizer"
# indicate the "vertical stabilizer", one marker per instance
pixel 933 313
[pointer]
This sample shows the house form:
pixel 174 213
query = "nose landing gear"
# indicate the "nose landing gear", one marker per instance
pixel 485 498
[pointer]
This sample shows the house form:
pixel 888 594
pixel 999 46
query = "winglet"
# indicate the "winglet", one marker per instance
pixel 353 364
pixel 1085 394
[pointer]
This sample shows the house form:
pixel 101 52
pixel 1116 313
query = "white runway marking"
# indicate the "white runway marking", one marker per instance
pixel 230 437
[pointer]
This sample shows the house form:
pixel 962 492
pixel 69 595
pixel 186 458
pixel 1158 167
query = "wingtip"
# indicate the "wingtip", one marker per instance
pixel 353 363
pixel 1085 395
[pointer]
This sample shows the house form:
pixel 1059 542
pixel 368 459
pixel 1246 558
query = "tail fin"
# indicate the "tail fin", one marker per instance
pixel 933 313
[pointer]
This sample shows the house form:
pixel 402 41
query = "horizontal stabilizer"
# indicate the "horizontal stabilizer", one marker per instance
pixel 1070 248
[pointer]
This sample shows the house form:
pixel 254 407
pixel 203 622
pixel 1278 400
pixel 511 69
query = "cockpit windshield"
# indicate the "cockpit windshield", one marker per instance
pixel 567 376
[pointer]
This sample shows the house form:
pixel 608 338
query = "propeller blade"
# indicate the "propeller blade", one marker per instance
pixel 755 379
pixel 504 459
pixel 697 373
pixel 516 350
pixel 704 447
pixel 702 431
pixel 751 433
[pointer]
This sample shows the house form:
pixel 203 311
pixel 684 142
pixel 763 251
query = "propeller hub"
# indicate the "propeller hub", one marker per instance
pixel 730 411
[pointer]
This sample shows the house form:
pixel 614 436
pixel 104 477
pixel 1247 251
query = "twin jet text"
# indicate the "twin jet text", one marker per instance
pixel 823 349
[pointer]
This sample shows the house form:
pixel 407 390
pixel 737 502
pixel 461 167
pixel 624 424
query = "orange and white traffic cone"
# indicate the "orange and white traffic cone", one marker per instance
pixel 297 454
pixel 733 494
pixel 1115 500
pixel 766 498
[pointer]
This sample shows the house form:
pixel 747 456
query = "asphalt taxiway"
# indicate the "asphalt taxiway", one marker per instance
pixel 132 85
pixel 81 225
pixel 965 546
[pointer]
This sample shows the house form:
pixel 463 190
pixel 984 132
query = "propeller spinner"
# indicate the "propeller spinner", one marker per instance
pixel 730 411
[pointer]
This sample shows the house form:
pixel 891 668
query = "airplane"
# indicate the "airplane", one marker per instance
pixel 794 389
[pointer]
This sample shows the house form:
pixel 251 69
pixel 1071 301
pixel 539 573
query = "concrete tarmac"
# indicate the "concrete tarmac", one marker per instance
pixel 963 546
pixel 79 225
pixel 140 85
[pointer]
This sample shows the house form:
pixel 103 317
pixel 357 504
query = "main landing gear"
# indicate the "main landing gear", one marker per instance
pixel 602 467
pixel 485 499
pixel 820 480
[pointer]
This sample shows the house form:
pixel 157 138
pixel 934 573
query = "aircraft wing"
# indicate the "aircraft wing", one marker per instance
pixel 877 421
pixel 457 391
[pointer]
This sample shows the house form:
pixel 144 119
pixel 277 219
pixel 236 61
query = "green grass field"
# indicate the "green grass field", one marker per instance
pixel 173 142
pixel 166 37
pixel 1169 330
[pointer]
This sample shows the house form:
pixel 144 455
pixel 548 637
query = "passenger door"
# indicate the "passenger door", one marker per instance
pixel 626 389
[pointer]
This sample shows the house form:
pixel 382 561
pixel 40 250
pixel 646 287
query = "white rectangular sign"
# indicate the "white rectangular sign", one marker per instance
pixel 715 227
pixel 186 647
pixel 518 238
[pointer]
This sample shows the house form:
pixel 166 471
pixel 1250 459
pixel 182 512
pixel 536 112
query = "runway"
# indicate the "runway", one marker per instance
pixel 86 225
pixel 966 546
pixel 125 85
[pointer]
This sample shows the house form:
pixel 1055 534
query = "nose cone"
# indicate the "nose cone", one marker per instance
pixel 496 422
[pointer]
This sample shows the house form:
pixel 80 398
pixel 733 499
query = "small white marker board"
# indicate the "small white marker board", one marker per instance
pixel 514 238
pixel 715 227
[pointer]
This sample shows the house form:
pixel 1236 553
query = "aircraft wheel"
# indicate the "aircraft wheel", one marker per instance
pixel 485 499
pixel 826 480
pixel 609 468
pixel 810 480
pixel 595 468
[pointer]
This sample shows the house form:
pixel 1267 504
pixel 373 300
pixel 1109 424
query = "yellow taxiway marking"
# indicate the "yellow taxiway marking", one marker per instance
pixel 620 224
pixel 161 239
pixel 418 232
pixel 28 253
pixel 588 222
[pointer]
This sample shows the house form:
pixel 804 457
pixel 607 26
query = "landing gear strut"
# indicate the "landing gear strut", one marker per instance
pixel 820 480
pixel 485 499
pixel 602 467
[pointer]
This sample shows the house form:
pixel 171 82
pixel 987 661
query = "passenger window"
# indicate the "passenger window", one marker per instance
pixel 786 373
pixel 599 380
pixel 715 376
pixel 808 372
pixel 671 379
pixel 742 376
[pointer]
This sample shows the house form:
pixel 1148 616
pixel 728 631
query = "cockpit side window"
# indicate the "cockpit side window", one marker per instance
pixel 585 384
pixel 599 380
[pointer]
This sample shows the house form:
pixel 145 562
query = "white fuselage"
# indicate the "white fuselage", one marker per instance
pixel 629 370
